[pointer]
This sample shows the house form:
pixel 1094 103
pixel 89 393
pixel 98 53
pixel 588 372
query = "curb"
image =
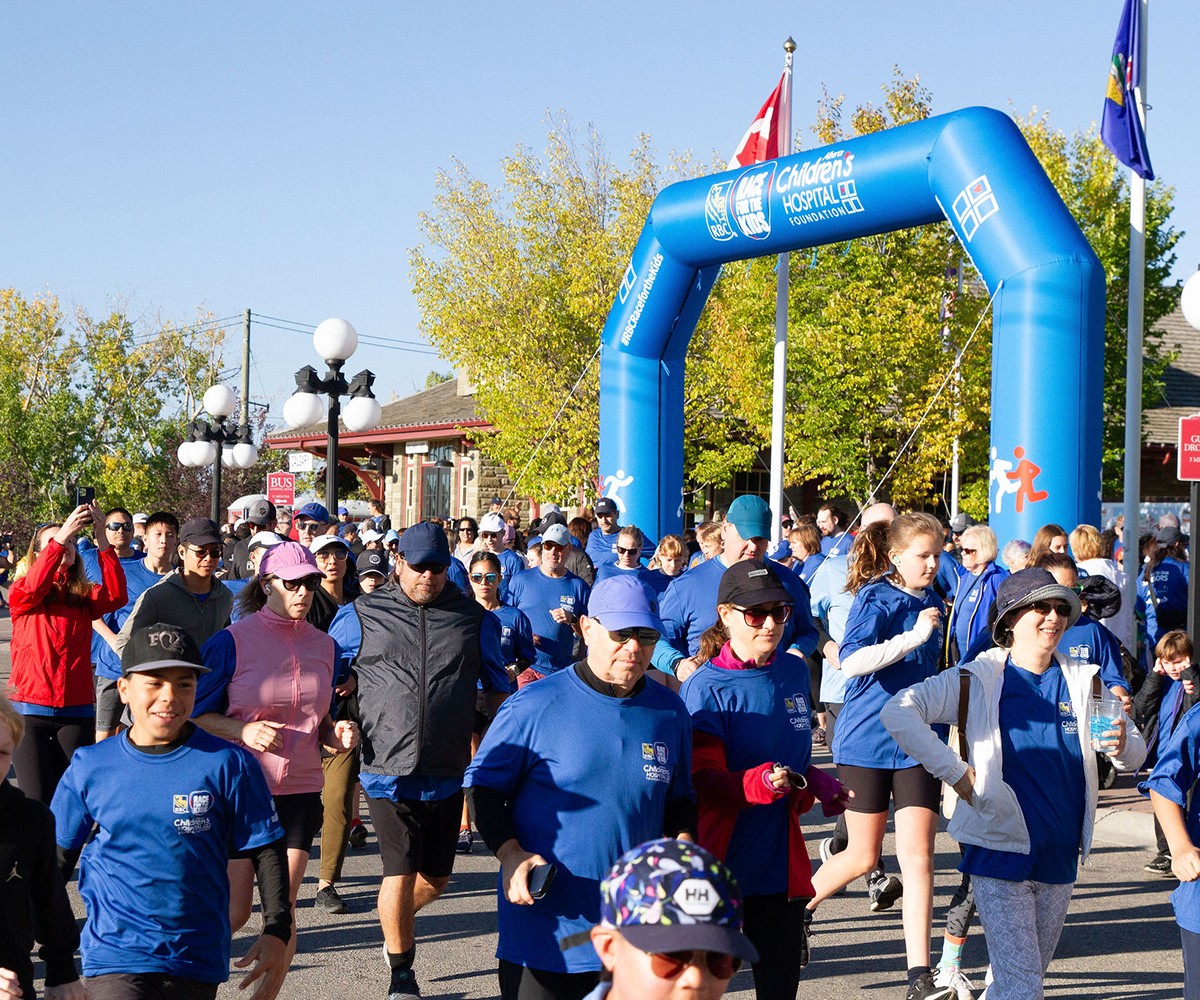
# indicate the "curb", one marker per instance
pixel 1125 828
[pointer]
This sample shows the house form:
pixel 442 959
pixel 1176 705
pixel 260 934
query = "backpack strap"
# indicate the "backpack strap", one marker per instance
pixel 1097 689
pixel 964 701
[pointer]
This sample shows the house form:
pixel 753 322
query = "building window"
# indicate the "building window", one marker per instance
pixel 410 501
pixel 435 491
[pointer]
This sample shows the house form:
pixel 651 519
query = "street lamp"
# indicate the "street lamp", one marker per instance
pixel 206 442
pixel 335 341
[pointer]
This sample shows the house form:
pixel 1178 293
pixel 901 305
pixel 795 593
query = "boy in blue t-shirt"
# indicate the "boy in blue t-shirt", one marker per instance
pixel 154 877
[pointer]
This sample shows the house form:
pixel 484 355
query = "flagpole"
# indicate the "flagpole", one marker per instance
pixel 1133 354
pixel 779 386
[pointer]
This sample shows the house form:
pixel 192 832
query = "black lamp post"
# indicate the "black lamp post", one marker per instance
pixel 217 442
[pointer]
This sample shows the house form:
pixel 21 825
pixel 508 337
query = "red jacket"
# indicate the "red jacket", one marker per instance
pixel 52 630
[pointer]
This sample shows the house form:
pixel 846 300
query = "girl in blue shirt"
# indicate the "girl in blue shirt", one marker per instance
pixel 892 640
pixel 1166 577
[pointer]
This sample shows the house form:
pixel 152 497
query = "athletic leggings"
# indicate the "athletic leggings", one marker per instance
pixel 41 758
pixel 775 925
pixel 962 909
pixel 1191 964
pixel 1022 922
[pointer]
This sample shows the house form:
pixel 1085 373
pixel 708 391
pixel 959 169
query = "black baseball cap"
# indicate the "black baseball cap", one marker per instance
pixel 261 512
pixel 371 561
pixel 606 505
pixel 749 583
pixel 199 531
pixel 160 646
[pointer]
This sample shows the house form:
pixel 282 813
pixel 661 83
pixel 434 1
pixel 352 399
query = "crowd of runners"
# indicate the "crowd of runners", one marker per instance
pixel 628 724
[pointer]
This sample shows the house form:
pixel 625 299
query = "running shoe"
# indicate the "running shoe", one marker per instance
pixel 883 891
pixel 1160 866
pixel 464 842
pixel 358 835
pixel 404 984
pixel 818 737
pixel 952 976
pixel 924 988
pixel 327 899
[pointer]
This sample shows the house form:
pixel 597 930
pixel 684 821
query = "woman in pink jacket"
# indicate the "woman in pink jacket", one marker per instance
pixel 269 688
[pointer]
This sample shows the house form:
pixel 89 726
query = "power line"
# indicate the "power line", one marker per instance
pixel 369 342
pixel 362 336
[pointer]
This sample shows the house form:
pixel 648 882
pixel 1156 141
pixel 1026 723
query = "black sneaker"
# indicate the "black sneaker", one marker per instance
pixel 924 988
pixel 883 891
pixel 403 984
pixel 327 899
pixel 1160 866
pixel 464 842
pixel 358 836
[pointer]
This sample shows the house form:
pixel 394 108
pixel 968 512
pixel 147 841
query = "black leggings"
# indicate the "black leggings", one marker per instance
pixel 42 756
pixel 775 925
pixel 518 982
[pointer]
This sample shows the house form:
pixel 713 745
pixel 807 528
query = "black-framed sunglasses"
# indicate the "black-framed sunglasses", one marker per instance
pixel 628 552
pixel 969 552
pixel 310 583
pixel 427 567
pixel 485 577
pixel 119 526
pixel 757 617
pixel 1044 608
pixel 205 551
pixel 671 964
pixel 644 636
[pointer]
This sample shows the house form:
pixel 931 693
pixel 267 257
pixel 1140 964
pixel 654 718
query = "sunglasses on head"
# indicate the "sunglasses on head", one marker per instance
pixel 671 964
pixel 119 526
pixel 309 583
pixel 628 552
pixel 485 577
pixel 644 636
pixel 1045 607
pixel 757 617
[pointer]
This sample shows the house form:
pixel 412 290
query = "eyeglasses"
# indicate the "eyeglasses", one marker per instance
pixel 485 577
pixel 628 552
pixel 309 583
pixel 336 551
pixel 427 567
pixel 467 529
pixel 969 552
pixel 757 617
pixel 205 552
pixel 644 636
pixel 1045 607
pixel 550 546
pixel 304 524
pixel 670 964
pixel 119 526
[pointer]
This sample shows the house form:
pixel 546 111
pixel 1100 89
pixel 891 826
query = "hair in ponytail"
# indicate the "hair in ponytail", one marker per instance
pixel 868 558
pixel 714 638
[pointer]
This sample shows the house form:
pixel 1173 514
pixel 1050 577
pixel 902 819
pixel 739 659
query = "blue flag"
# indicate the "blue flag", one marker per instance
pixel 1120 127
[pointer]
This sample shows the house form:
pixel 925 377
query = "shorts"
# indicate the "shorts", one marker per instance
pixel 874 787
pixel 416 836
pixel 147 986
pixel 483 718
pixel 109 706
pixel 300 815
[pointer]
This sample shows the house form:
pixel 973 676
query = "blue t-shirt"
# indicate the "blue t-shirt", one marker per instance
pixel 837 544
pixel 1174 778
pixel 138 579
pixel 603 548
pixel 1043 765
pixel 155 876
pixel 587 777
pixel 535 593
pixel 689 608
pixel 760 715
pixel 808 568
pixel 516 635
pixel 1169 580
pixel 831 603
pixel 949 571
pixel 881 610
pixel 1091 642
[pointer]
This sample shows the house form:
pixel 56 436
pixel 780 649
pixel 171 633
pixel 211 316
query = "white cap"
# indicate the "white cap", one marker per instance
pixel 368 535
pixel 263 540
pixel 493 524
pixel 322 542
pixel 140 518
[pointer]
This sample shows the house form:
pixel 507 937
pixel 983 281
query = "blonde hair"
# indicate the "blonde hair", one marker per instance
pixel 669 547
pixel 11 718
pixel 807 535
pixel 872 559
pixel 1086 542
pixel 983 540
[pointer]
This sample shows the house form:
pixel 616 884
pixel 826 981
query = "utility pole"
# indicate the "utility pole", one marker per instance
pixel 245 414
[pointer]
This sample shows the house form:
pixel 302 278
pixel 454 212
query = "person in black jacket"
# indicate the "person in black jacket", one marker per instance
pixel 421 648
pixel 33 902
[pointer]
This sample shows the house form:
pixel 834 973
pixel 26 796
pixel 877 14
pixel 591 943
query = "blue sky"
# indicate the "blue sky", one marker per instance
pixel 275 156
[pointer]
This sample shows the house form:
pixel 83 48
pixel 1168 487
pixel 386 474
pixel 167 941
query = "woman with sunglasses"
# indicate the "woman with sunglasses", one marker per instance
pixel 976 591
pixel 269 687
pixel 1028 786
pixel 53 606
pixel 466 544
pixel 751 754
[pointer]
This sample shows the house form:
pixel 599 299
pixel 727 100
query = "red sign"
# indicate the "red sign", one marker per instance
pixel 1189 448
pixel 281 488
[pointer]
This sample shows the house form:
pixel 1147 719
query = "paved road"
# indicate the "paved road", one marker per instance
pixel 1120 939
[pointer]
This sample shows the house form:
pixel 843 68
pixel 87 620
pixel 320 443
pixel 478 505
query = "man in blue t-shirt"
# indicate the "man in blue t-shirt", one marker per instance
pixel 154 874
pixel 602 542
pixel 574 771
pixel 553 600
pixel 689 604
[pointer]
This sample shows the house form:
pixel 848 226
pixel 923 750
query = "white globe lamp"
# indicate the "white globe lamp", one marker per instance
pixel 203 453
pixel 302 408
pixel 244 455
pixel 362 413
pixel 184 453
pixel 335 340
pixel 219 401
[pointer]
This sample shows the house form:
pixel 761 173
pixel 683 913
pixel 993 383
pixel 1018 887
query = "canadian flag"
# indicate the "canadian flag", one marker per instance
pixel 761 141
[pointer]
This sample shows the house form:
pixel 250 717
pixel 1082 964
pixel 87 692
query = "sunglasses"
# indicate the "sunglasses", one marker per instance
pixel 969 552
pixel 550 546
pixel 309 583
pixel 119 526
pixel 644 636
pixel 757 617
pixel 427 567
pixel 207 552
pixel 468 530
pixel 485 577
pixel 671 964
pixel 1045 607
pixel 336 551
pixel 628 552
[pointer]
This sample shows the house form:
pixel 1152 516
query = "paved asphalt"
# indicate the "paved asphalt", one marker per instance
pixel 1120 939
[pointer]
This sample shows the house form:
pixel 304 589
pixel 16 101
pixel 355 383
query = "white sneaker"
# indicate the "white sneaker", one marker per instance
pixel 953 977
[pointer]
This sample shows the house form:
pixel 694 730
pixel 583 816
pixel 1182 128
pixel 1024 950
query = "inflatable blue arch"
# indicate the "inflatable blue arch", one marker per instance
pixel 971 167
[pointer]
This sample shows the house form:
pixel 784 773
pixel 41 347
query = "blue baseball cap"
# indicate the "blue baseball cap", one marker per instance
pixel 751 516
pixel 425 543
pixel 313 511
pixel 618 602
pixel 672 895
